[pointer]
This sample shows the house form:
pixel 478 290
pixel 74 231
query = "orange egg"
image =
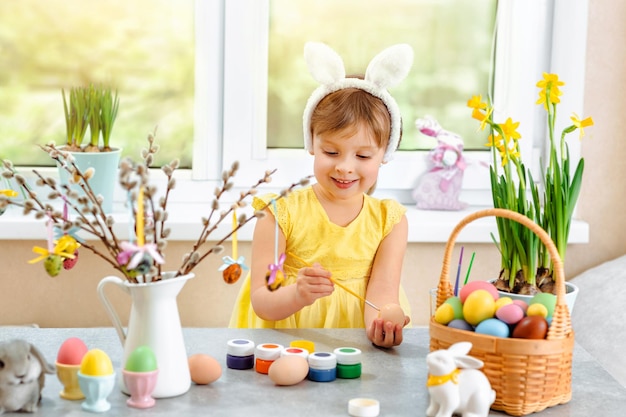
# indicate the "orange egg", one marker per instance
pixel 204 369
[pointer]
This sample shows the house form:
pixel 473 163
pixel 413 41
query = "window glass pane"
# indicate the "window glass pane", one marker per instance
pixel 144 48
pixel 452 41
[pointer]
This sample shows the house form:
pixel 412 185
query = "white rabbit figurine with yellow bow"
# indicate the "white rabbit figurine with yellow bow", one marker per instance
pixel 456 385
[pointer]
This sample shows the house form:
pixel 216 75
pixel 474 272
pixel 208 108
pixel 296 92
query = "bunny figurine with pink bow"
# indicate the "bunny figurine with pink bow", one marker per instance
pixel 440 186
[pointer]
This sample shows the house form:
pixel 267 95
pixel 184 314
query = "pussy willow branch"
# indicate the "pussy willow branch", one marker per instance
pixel 96 205
pixel 189 266
pixel 85 224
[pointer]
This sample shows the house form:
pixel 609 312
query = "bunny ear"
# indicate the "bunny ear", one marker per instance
pixel 460 348
pixel 325 65
pixel 390 66
pixel 467 362
pixel 387 69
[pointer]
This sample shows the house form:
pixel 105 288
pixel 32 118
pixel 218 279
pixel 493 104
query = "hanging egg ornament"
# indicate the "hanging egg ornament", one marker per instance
pixel 69 263
pixel 53 264
pixel 232 273
pixel 278 280
pixel 144 265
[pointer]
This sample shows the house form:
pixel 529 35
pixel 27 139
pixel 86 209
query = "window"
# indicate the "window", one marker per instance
pixel 230 93
pixel 143 48
pixel 533 37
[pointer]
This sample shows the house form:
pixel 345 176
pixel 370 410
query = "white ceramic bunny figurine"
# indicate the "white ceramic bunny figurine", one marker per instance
pixel 22 375
pixel 455 384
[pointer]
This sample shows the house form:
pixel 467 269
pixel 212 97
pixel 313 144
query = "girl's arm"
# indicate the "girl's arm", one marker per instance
pixel 384 286
pixel 312 282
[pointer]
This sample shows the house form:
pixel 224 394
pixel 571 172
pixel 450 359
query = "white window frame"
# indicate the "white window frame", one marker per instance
pixel 523 52
pixel 230 115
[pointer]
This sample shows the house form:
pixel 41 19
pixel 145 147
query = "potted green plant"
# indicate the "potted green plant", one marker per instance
pixel 549 202
pixel 93 107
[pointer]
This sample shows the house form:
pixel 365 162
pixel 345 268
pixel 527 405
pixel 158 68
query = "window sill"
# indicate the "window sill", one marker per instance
pixel 425 226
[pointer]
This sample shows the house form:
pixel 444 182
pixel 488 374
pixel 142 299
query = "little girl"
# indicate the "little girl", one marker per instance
pixel 334 228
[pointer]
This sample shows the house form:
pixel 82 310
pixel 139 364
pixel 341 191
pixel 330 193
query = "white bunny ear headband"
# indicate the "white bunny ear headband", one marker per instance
pixel 386 69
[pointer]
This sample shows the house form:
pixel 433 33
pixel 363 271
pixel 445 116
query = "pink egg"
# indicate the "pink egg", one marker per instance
pixel 522 304
pixel 71 351
pixel 478 285
pixel 510 313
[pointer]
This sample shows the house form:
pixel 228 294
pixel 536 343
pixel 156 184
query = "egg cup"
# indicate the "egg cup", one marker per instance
pixel 96 390
pixel 68 375
pixel 140 386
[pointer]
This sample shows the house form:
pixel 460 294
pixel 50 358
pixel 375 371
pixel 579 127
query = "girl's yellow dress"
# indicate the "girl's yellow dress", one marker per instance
pixel 347 252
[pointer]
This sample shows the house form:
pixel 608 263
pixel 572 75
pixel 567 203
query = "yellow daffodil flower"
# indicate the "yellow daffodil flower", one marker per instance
pixel 551 82
pixel 476 102
pixel 509 129
pixel 581 124
pixel 483 118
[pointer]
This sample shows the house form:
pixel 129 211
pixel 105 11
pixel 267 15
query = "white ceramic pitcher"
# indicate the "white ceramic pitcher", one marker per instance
pixel 154 322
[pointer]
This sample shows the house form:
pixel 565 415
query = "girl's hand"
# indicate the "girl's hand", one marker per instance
pixel 385 334
pixel 313 282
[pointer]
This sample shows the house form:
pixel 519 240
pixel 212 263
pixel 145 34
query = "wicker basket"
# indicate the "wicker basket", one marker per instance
pixel 527 375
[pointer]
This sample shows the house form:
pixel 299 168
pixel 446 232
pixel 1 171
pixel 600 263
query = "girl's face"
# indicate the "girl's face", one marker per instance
pixel 346 165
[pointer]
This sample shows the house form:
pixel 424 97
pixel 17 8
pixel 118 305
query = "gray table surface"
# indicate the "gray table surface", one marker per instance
pixel 395 377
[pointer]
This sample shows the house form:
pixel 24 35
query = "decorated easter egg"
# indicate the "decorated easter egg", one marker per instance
pixel 96 363
pixel 493 327
pixel 522 304
pixel 53 264
pixel 510 313
pixel 204 369
pixel 289 370
pixel 478 306
pixel 461 325
pixel 444 314
pixel 502 301
pixel 531 327
pixel 537 309
pixel 478 285
pixel 457 306
pixel 142 359
pixel 545 298
pixel 393 313
pixel 71 351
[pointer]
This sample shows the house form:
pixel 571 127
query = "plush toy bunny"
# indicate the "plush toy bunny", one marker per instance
pixel 466 392
pixel 22 376
pixel 439 188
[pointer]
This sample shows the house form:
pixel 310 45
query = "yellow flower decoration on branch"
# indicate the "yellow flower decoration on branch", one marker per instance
pixel 9 193
pixel 45 253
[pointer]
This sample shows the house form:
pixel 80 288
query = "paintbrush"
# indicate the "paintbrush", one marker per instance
pixel 339 285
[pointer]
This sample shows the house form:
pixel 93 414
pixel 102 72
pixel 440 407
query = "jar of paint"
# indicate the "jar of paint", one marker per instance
pixel 294 351
pixel 322 366
pixel 348 362
pixel 240 354
pixel 265 355
pixel 308 345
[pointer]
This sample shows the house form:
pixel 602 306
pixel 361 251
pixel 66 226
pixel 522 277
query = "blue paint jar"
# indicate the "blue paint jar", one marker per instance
pixel 240 354
pixel 322 367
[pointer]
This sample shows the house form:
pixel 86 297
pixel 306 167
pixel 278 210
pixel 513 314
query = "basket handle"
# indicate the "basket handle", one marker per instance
pixel 561 325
